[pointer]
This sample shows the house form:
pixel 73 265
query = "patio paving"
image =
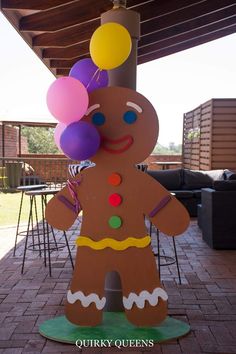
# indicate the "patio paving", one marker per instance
pixel 206 299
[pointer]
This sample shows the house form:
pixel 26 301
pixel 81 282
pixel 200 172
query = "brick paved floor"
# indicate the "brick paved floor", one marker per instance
pixel 206 299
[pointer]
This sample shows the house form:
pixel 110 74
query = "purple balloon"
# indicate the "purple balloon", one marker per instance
pixel 80 141
pixel 89 74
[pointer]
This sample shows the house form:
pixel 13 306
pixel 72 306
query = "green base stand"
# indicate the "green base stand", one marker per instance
pixel 114 327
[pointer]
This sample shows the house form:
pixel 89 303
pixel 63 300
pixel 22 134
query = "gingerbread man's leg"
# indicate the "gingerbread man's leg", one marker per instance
pixel 144 299
pixel 85 299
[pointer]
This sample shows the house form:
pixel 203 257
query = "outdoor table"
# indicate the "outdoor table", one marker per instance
pixel 24 189
pixel 45 245
pixel 166 164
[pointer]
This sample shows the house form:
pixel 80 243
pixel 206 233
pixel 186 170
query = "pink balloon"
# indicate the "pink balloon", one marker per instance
pixel 57 133
pixel 67 100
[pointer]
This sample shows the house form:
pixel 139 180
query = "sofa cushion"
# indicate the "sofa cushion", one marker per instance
pixel 170 179
pixel 229 175
pixel 182 194
pixel 215 175
pixel 229 185
pixel 197 193
pixel 197 179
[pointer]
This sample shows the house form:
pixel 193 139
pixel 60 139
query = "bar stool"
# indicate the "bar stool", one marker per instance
pixel 24 189
pixel 168 260
pixel 44 245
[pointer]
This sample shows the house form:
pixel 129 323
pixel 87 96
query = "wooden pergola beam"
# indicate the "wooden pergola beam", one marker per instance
pixel 65 64
pixel 64 16
pixel 67 53
pixel 75 34
pixel 203 9
pixel 160 39
pixel 66 37
pixel 159 49
pixel 32 4
pixel 153 52
pixel 200 25
pixel 185 37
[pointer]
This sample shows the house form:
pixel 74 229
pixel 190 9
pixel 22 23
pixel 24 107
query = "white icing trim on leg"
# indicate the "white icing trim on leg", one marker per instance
pixel 143 296
pixel 86 300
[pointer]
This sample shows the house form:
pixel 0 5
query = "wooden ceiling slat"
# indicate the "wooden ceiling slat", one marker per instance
pixel 32 4
pixel 158 9
pixel 188 14
pixel 185 37
pixel 153 54
pixel 166 26
pixel 67 53
pixel 66 37
pixel 73 35
pixel 62 72
pixel 228 15
pixel 184 15
pixel 62 63
pixel 66 16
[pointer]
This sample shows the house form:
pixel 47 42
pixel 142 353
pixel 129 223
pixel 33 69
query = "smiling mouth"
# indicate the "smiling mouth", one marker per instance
pixel 117 146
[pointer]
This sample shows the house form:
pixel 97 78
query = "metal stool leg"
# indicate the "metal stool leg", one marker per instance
pixel 44 232
pixel 18 222
pixel 176 259
pixel 68 247
pixel 27 234
pixel 48 246
pixel 158 252
pixel 37 225
pixel 32 221
pixel 52 231
pixel 46 229
pixel 54 238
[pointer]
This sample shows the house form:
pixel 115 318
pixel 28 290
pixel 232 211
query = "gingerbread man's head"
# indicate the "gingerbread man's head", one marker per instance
pixel 126 122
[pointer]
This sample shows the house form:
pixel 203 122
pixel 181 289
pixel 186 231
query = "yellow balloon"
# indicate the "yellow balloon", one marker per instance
pixel 110 45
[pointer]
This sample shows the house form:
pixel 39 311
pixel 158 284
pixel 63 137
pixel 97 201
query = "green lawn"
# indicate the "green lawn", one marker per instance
pixel 9 208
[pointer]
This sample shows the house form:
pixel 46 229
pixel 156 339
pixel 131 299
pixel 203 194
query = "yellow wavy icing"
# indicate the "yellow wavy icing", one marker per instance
pixel 114 244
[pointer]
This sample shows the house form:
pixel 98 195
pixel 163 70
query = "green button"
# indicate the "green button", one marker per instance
pixel 115 222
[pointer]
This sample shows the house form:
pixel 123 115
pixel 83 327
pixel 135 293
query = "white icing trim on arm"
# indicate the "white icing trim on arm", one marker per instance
pixel 135 106
pixel 86 300
pixel 92 108
pixel 144 295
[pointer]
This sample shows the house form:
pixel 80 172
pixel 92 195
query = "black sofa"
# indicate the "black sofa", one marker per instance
pixel 216 215
pixel 187 184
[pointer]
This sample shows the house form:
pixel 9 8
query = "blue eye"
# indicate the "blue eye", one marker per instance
pixel 130 117
pixel 98 118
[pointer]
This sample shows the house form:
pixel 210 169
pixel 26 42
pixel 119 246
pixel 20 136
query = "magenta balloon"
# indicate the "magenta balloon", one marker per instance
pixel 67 100
pixel 80 141
pixel 57 133
pixel 89 74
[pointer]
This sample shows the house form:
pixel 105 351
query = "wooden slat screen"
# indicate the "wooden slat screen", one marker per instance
pixel 216 146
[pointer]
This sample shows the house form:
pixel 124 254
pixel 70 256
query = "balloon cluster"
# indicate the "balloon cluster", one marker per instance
pixel 67 97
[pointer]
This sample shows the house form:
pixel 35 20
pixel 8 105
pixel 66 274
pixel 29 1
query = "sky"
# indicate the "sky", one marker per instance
pixel 174 84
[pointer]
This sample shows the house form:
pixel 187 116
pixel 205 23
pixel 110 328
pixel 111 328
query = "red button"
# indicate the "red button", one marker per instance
pixel 114 179
pixel 115 199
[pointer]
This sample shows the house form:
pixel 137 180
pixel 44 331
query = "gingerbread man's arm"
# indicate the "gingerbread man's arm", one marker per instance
pixel 164 210
pixel 63 208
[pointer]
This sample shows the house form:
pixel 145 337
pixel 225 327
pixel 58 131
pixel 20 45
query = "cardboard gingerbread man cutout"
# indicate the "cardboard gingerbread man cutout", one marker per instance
pixel 115 197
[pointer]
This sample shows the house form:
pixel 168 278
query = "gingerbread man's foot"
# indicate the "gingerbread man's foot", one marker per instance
pixel 84 310
pixel 146 308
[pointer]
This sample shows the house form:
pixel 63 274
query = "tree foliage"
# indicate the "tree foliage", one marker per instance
pixel 40 140
pixel 172 149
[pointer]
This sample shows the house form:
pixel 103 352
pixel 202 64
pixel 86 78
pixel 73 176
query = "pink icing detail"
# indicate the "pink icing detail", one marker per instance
pixel 72 189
